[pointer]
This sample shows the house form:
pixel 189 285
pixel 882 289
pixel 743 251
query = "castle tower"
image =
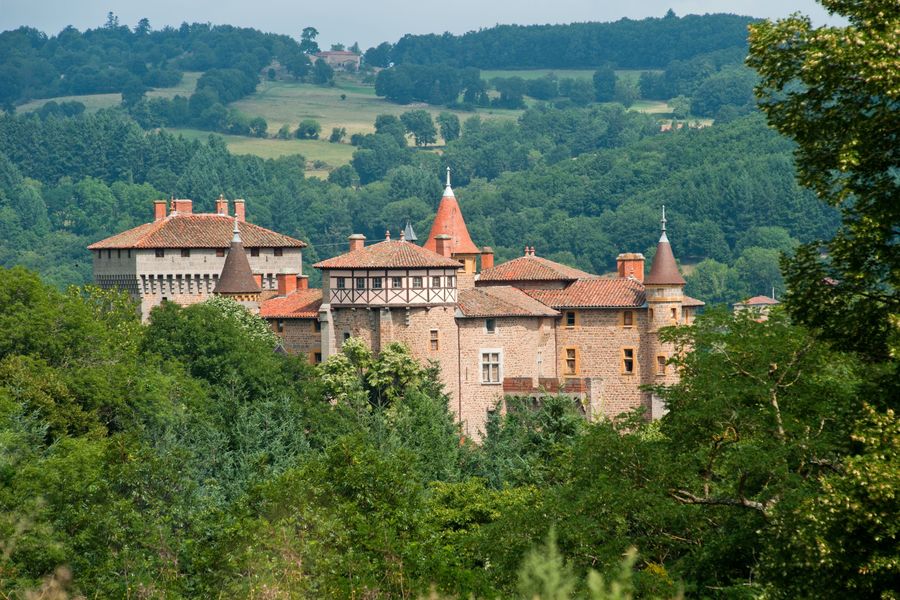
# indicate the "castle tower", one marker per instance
pixel 237 281
pixel 449 221
pixel 664 287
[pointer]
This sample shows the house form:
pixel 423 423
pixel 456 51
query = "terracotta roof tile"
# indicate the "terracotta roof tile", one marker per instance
pixel 196 231
pixel 449 221
pixel 390 254
pixel 301 304
pixel 691 302
pixel 596 292
pixel 759 301
pixel 532 268
pixel 500 301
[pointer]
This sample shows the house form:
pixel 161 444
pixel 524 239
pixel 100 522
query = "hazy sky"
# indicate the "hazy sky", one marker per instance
pixel 372 21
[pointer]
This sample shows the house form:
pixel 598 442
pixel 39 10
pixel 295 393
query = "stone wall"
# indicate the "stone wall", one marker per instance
pixel 299 336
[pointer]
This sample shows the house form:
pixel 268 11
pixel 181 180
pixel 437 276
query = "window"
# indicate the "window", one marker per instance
pixel 571 361
pixel 490 366
pixel 346 335
pixel 627 318
pixel 570 319
pixel 317 326
pixel 360 283
pixel 185 253
pixel 628 360
pixel 490 325
pixel 396 282
pixel 435 345
pixel 118 254
pixel 160 253
pixel 650 314
pixel 376 283
pixel 435 282
pixel 220 252
pixel 451 281
pixel 109 254
pixel 674 314
pixel 661 364
pixel 417 282
pixel 341 283
pixel 279 326
pixel 254 251
pixel 279 251
pixel 317 357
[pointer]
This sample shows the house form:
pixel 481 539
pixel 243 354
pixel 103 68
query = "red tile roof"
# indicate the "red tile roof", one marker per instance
pixel 196 231
pixel 390 254
pixel 500 301
pixel 691 302
pixel 449 221
pixel 596 292
pixel 532 268
pixel 759 301
pixel 301 304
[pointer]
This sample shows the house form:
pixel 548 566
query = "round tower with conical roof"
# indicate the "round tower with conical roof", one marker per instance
pixel 237 281
pixel 457 244
pixel 664 288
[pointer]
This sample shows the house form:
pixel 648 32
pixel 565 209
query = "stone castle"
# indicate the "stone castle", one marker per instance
pixel 523 328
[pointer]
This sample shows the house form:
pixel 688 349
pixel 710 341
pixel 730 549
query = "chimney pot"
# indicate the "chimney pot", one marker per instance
pixel 442 244
pixel 487 258
pixel 287 283
pixel 239 210
pixel 357 242
pixel 159 210
pixel 631 264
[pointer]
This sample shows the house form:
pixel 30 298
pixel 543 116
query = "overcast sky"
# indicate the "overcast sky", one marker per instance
pixel 372 21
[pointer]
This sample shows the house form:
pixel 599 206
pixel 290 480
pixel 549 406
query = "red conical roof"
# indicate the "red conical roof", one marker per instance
pixel 449 221
pixel 664 270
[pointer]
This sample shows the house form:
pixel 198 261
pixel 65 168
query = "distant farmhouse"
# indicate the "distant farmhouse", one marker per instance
pixel 341 60
pixel 525 327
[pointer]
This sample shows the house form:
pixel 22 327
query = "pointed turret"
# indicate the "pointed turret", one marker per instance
pixel 664 270
pixel 408 233
pixel 449 221
pixel 237 279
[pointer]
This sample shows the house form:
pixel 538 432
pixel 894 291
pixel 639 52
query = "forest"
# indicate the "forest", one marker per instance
pixel 186 457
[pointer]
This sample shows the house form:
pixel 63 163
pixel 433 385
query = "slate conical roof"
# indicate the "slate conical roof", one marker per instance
pixel 664 270
pixel 236 277
pixel 449 221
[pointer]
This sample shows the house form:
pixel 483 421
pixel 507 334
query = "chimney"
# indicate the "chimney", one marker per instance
pixel 442 244
pixel 222 206
pixel 302 282
pixel 239 210
pixel 159 210
pixel 183 207
pixel 357 241
pixel 487 258
pixel 631 264
pixel 287 283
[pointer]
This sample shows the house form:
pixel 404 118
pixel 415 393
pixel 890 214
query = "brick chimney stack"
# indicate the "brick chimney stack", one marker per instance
pixel 159 210
pixel 302 282
pixel 222 206
pixel 183 207
pixel 239 210
pixel 357 242
pixel 631 264
pixel 487 258
pixel 442 244
pixel 287 283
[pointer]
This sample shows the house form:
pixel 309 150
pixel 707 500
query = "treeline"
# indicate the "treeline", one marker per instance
pixel 116 58
pixel 580 184
pixel 650 43
pixel 184 458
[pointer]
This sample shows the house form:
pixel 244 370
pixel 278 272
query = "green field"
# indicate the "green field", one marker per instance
pixel 334 155
pixel 94 102
pixel 284 102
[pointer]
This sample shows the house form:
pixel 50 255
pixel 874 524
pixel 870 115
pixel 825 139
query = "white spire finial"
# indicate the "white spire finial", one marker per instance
pixel 663 237
pixel 237 232
pixel 448 176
